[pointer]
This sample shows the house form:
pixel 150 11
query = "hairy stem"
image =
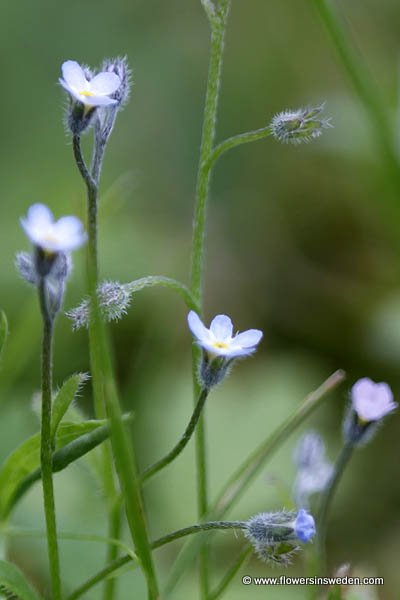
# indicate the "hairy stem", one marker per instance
pixel 218 25
pixel 46 446
pixel 166 539
pixel 237 140
pixel 177 449
pixel 106 396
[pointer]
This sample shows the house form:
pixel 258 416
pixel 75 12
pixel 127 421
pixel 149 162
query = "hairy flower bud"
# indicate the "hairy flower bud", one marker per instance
pixel 275 536
pixel 298 126
pixel 114 300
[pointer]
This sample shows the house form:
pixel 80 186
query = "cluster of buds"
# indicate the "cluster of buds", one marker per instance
pixel 275 537
pixel 299 126
pixel 114 301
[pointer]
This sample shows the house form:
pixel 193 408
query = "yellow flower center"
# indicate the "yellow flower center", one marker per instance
pixel 221 345
pixel 86 93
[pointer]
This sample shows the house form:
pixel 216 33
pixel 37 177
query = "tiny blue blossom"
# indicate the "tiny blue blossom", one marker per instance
pixel 372 401
pixel 218 339
pixel 52 236
pixel 97 91
pixel 304 526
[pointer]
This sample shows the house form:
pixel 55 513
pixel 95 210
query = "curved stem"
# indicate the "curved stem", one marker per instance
pixel 166 539
pixel 46 446
pixel 237 140
pixel 167 282
pixel 177 449
pixel 325 503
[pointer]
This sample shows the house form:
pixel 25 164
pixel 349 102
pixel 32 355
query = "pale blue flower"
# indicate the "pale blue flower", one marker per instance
pixel 94 92
pixel 304 526
pixel 372 401
pixel 52 236
pixel 218 339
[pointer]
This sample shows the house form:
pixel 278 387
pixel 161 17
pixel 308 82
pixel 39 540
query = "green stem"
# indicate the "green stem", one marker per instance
pixel 226 580
pixel 325 503
pixel 167 282
pixel 177 449
pixel 248 470
pixel 166 539
pixel 237 140
pixel 217 20
pixel 46 446
pixel 105 392
pixel 114 533
pixel 367 91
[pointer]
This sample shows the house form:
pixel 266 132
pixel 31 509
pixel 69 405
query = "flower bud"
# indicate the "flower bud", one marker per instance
pixel 114 300
pixel 275 536
pixel 298 126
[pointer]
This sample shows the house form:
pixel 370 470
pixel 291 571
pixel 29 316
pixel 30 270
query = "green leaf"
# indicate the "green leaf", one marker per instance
pixel 13 583
pixel 3 331
pixel 64 398
pixel 23 461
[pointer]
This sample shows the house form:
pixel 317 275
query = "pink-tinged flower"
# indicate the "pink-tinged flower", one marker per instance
pixel 372 401
pixel 94 92
pixel 218 339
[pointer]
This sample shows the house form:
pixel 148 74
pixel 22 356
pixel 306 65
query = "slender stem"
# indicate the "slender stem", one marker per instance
pixel 167 282
pixel 367 91
pixel 46 446
pixel 114 533
pixel 237 140
pixel 166 539
pixel 177 449
pixel 218 21
pixel 325 503
pixel 227 578
pixel 237 484
pixel 105 391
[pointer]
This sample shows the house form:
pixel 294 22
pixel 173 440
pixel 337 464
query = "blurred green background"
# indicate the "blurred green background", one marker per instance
pixel 303 242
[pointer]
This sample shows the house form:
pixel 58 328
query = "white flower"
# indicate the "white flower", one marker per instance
pixel 372 401
pixel 218 339
pixel 63 235
pixel 95 92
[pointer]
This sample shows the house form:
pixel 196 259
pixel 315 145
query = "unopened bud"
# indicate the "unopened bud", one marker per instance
pixel 298 126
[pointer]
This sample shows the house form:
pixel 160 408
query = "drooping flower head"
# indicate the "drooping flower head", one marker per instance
pixel 93 92
pixel 52 236
pixel 218 339
pixel 372 401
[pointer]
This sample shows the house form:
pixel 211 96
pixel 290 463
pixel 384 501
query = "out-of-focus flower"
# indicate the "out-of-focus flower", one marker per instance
pixel 218 339
pixel 313 471
pixel 52 236
pixel 372 401
pixel 97 91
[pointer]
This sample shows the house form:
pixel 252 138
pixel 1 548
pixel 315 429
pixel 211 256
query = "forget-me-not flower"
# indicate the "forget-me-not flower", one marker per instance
pixel 372 401
pixel 52 236
pixel 94 92
pixel 218 339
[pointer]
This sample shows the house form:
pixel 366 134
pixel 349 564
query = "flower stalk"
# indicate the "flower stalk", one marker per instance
pixel 106 397
pixel 217 19
pixel 46 446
